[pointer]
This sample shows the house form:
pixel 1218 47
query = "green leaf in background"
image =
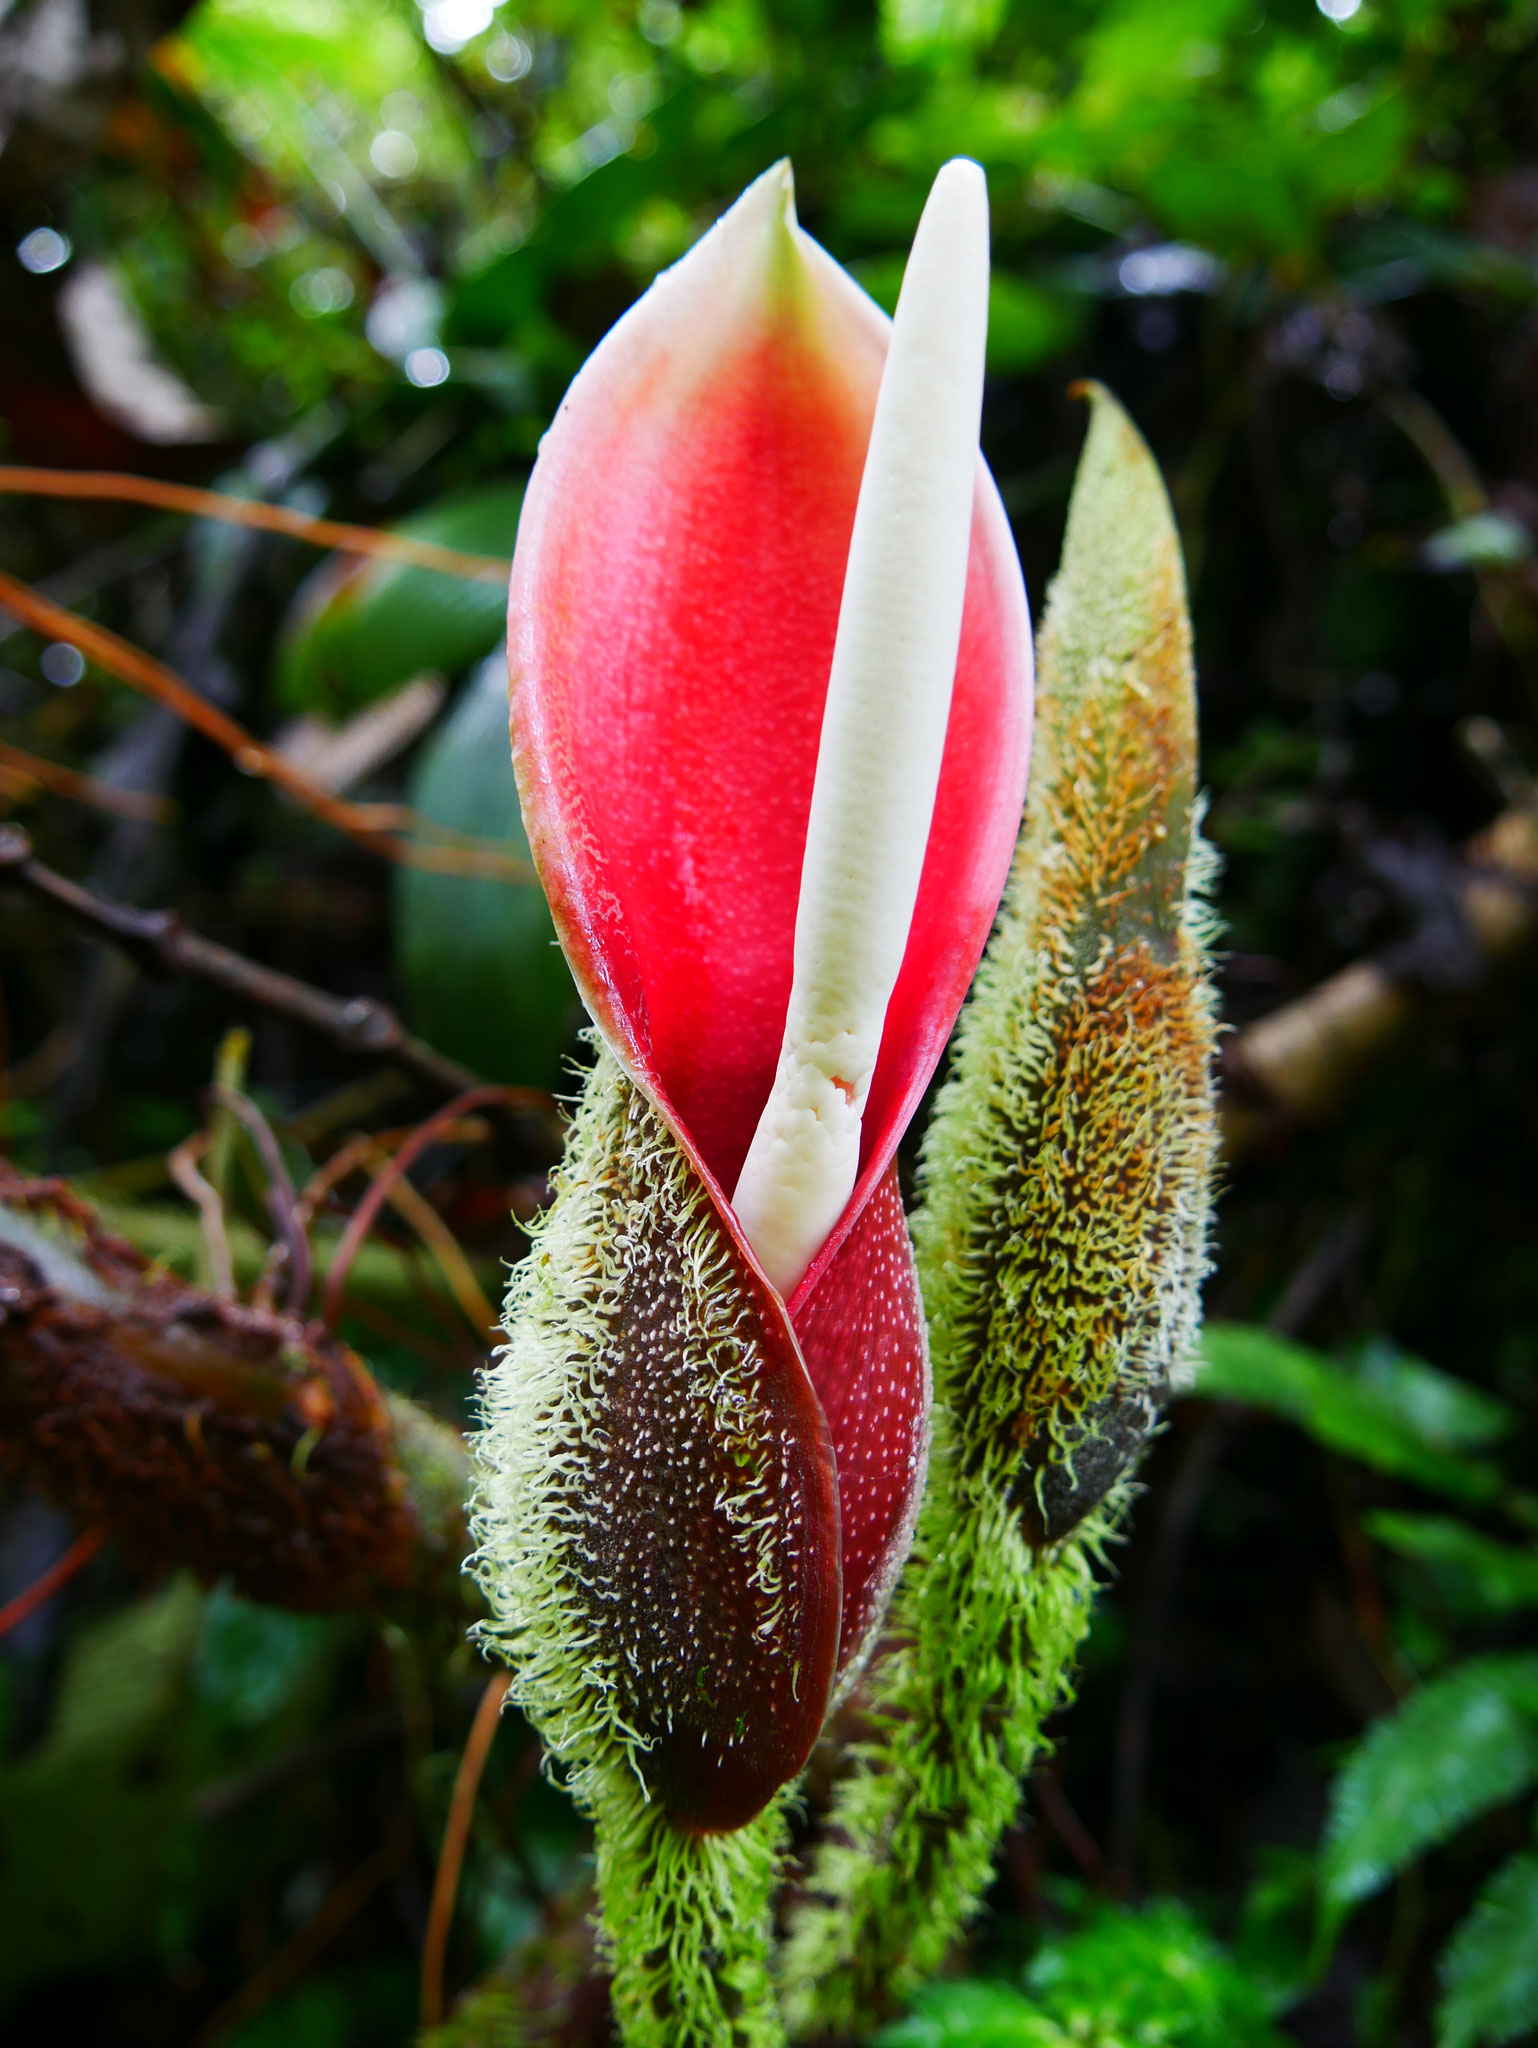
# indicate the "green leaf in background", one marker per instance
pixel 1150 1974
pixel 1028 322
pixel 123 1678
pixel 1490 1967
pixel 363 2005
pixel 578 230
pixel 483 976
pixel 1476 1574
pixel 357 629
pixel 969 2015
pixel 264 65
pixel 1273 1942
pixel 93 1822
pixel 1446 1413
pixel 1391 1412
pixel 1459 1745
pixel 923 28
pixel 252 1661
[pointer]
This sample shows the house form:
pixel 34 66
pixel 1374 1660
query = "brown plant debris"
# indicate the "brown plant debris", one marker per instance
pixel 208 1433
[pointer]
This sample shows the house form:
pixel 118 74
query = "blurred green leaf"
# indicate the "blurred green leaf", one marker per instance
pixel 357 629
pixel 578 230
pixel 922 28
pixel 265 62
pixel 1479 1575
pixel 484 978
pixel 1445 1412
pixel 89 1819
pixel 368 2003
pixel 1392 1412
pixel 1128 1975
pixel 1274 1939
pixel 253 1661
pixel 1028 324
pixel 1490 1967
pixel 1149 1973
pixel 1459 1745
pixel 969 2015
pixel 123 1678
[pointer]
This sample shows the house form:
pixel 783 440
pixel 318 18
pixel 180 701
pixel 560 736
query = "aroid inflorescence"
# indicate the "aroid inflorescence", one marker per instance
pixel 771 689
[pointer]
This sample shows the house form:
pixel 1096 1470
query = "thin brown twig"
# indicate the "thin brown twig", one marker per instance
pixel 159 940
pixel 434 1350
pixel 456 1835
pixel 389 830
pixel 1068 1827
pixel 321 533
pixel 359 1151
pixel 221 1797
pixel 373 1153
pixel 58 1574
pixel 458 1274
pixel 419 1214
pixel 281 1200
pixel 1502 596
pixel 22 775
pixel 42 1066
pixel 427 1133
pixel 182 1165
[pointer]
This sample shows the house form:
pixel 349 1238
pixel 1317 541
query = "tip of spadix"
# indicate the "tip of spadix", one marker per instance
pixel 963 173
pixel 957 207
pixel 948 264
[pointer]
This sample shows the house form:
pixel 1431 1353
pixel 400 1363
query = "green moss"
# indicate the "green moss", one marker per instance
pixel 983 1636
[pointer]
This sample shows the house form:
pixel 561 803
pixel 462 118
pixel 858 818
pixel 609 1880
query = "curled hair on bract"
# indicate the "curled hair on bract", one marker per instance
pixel 1065 1190
pixel 770 701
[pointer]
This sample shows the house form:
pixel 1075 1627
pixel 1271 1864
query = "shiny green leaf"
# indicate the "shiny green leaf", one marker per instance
pixel 1477 1574
pixel 1402 1417
pixel 1490 1967
pixel 483 976
pixel 357 629
pixel 1459 1745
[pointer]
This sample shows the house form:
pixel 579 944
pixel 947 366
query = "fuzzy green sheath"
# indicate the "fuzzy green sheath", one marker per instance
pixel 626 1254
pixel 1061 1244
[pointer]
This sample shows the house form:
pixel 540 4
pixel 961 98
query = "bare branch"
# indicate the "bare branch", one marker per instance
pixel 389 830
pixel 320 533
pixel 159 940
pixel 1297 1065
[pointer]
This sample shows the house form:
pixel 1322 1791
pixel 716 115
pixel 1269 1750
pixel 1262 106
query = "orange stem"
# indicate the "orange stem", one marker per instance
pixel 361 1222
pixel 456 1835
pixel 58 1574
pixel 28 773
pixel 321 533
pixel 376 827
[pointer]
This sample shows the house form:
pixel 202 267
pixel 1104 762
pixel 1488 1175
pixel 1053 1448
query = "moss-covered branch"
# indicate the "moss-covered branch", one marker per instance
pixel 202 1432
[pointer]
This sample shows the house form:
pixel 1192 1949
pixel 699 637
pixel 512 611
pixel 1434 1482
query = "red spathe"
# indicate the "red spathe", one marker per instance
pixel 674 602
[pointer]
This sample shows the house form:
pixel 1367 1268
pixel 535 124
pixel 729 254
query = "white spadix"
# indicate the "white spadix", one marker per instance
pixel 883 734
